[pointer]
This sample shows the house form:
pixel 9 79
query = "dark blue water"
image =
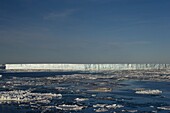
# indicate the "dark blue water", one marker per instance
pixel 46 74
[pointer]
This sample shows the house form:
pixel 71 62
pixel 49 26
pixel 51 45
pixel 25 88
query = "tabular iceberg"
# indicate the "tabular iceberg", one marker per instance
pixel 86 67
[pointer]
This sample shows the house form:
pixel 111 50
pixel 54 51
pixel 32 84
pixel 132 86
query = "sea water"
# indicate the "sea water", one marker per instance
pixel 62 92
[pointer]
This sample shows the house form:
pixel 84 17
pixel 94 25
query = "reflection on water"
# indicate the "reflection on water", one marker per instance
pixel 84 92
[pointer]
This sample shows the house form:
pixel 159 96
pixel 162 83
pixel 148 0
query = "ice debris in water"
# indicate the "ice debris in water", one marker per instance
pixel 69 107
pixel 149 92
pixel 101 110
pixel 130 111
pixel 105 107
pixel 164 108
pixel 112 106
pixel 99 105
pixel 27 96
pixel 103 89
pixel 81 99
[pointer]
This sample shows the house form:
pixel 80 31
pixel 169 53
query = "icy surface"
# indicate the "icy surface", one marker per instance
pixel 150 92
pixel 27 96
pixel 69 107
pixel 164 107
pixel 86 67
pixel 108 91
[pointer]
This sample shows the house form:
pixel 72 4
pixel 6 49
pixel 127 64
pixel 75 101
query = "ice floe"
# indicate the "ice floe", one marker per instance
pixel 69 107
pixel 81 99
pixel 103 89
pixel 27 96
pixel 101 110
pixel 114 106
pixel 164 108
pixel 149 92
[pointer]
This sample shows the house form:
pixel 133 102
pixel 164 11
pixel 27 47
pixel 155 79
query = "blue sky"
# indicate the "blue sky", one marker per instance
pixel 85 31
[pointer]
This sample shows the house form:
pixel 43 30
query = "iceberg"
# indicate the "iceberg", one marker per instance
pixel 85 67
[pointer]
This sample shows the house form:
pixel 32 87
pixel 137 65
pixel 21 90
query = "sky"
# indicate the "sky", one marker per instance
pixel 84 31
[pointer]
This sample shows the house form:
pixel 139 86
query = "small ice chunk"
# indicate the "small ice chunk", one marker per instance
pixel 81 99
pixel 114 106
pixel 93 95
pixel 69 107
pixel 58 95
pixel 132 111
pixel 150 92
pixel 99 105
pixel 164 108
pixel 101 110
pixel 103 89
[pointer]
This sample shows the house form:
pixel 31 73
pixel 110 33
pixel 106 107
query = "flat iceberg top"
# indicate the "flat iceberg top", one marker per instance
pixel 86 67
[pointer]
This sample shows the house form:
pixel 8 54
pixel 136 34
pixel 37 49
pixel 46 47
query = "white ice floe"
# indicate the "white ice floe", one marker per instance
pixel 114 106
pixel 101 110
pixel 99 105
pixel 27 96
pixel 58 95
pixel 111 106
pixel 60 88
pixel 69 107
pixel 93 95
pixel 105 107
pixel 164 108
pixel 81 99
pixel 132 111
pixel 150 92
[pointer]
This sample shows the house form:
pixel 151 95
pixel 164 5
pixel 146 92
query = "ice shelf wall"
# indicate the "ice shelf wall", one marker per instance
pixel 86 67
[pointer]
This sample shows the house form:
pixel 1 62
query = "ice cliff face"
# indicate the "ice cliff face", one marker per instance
pixel 86 67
